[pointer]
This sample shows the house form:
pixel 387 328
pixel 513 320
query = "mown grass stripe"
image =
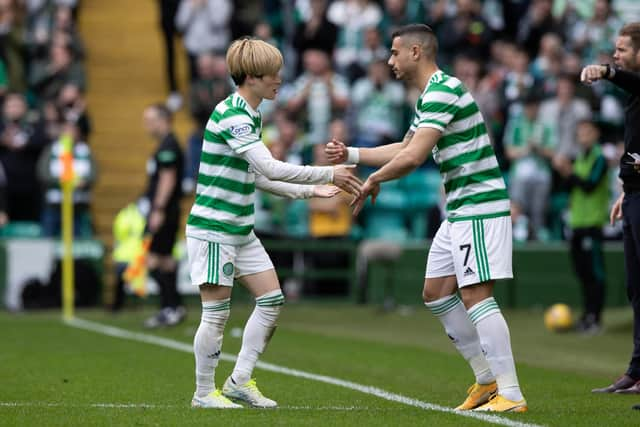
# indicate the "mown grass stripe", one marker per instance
pixel 369 390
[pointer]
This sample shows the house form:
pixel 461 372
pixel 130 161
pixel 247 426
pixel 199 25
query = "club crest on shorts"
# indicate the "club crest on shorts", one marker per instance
pixel 227 269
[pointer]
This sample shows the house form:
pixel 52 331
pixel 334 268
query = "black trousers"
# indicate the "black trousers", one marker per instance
pixel 588 263
pixel 168 10
pixel 631 237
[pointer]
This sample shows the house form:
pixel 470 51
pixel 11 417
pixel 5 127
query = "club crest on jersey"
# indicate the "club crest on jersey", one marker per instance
pixel 240 130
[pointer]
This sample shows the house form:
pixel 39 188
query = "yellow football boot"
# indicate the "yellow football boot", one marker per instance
pixel 478 394
pixel 502 404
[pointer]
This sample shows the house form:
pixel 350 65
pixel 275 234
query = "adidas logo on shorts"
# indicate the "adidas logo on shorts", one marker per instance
pixel 469 272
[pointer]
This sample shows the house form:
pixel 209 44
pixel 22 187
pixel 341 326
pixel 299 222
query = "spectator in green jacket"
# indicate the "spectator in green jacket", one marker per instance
pixel 588 213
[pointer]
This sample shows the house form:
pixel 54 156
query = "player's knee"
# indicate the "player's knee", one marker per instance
pixel 429 294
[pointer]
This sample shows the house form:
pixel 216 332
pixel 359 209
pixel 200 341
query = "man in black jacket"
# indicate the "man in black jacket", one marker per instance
pixel 163 194
pixel 626 75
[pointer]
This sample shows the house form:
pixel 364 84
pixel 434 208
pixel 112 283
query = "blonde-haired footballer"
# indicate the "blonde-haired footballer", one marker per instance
pixel 221 244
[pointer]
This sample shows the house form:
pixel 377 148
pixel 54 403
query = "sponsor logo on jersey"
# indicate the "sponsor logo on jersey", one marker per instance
pixel 240 130
pixel 469 272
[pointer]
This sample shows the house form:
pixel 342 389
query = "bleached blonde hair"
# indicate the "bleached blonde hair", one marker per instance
pixel 254 58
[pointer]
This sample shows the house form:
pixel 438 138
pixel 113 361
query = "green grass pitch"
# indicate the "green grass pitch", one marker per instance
pixel 52 374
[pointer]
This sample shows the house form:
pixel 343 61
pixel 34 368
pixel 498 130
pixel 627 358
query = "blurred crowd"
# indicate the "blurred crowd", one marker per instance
pixel 42 86
pixel 521 60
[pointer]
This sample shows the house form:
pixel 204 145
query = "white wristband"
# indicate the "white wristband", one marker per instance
pixel 353 155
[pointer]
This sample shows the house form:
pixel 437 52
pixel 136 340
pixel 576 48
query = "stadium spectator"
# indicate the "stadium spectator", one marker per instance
pixel 72 108
pixel 377 103
pixel 85 173
pixel 545 65
pixel 165 170
pixel 211 86
pixel 56 27
pixel 12 44
pixel 627 207
pixel 21 142
pixel 598 33
pixel 168 10
pixel 561 113
pixel 529 146
pixel 317 96
pixel 284 139
pixel 517 81
pixel 397 13
pixel 264 31
pixel 47 77
pixel 537 22
pixel 329 221
pixel 316 32
pixel 205 25
pixel 372 50
pixel 464 32
pixel 470 71
pixel 588 208
pixel 352 18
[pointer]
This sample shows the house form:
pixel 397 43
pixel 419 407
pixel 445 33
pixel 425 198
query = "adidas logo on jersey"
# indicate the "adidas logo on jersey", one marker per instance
pixel 469 272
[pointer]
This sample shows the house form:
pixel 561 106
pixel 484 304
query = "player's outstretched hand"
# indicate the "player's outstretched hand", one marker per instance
pixel 369 188
pixel 325 191
pixel 336 151
pixel 592 73
pixel 344 178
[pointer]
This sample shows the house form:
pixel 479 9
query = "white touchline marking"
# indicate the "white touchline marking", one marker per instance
pixel 153 406
pixel 374 391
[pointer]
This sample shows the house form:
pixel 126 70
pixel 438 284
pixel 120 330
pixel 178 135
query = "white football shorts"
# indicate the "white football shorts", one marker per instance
pixel 475 251
pixel 220 264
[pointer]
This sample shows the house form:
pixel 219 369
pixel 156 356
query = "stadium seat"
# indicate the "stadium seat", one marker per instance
pixel 385 225
pixel 297 219
pixel 423 188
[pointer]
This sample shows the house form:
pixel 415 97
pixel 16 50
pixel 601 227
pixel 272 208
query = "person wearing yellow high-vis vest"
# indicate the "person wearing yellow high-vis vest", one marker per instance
pixel 128 231
pixel 588 213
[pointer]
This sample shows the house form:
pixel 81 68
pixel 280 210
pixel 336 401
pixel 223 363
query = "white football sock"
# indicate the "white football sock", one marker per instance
pixel 208 342
pixel 257 333
pixel 453 316
pixel 496 343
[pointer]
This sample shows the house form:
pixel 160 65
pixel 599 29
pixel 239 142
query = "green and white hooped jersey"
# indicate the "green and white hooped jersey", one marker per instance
pixel 223 211
pixel 472 178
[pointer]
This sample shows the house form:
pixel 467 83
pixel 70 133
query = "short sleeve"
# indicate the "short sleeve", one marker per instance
pixel 436 109
pixel 167 157
pixel 239 131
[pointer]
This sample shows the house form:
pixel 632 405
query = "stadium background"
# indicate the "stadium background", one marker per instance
pixel 125 73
